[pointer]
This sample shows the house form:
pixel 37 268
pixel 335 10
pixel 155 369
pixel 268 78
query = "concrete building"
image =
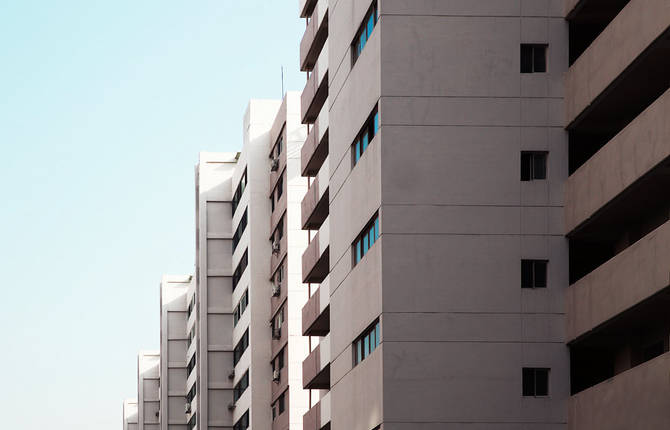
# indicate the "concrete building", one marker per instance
pixel 148 387
pixel 173 346
pixel 209 324
pixel 617 213
pixel 437 265
pixel 245 348
pixel 130 414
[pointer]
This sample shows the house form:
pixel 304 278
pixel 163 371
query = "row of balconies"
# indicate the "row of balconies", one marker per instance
pixel 617 110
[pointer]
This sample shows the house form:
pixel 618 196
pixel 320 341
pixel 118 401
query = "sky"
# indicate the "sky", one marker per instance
pixel 104 106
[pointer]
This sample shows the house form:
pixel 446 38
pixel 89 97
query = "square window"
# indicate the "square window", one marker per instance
pixel 533 58
pixel 534 273
pixel 535 382
pixel 533 165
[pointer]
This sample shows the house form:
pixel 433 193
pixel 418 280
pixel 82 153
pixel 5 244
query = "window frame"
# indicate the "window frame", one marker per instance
pixel 240 269
pixel 533 172
pixel 367 133
pixel 241 225
pixel 364 32
pixel 534 284
pixel 363 242
pixel 366 343
pixel 241 386
pixel 240 347
pixel 529 65
pixel 534 372
pixel 239 191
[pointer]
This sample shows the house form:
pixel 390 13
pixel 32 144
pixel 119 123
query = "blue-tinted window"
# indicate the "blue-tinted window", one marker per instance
pixel 366 239
pixel 366 343
pixel 365 136
pixel 364 32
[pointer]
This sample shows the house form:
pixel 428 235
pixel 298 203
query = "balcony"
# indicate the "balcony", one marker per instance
pixel 315 149
pixel 587 19
pixel 633 153
pixel 316 258
pixel 315 36
pixel 318 417
pixel 316 90
pixel 636 399
pixel 315 204
pixel 603 90
pixel 306 7
pixel 316 312
pixel 316 367
pixel 633 276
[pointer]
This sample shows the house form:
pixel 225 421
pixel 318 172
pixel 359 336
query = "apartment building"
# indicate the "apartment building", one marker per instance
pixel 148 387
pixel 130 414
pixel 617 213
pixel 173 347
pixel 437 266
pixel 245 347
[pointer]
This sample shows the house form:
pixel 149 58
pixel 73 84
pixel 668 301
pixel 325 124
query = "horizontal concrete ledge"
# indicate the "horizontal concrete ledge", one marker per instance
pixel 632 276
pixel 638 148
pixel 625 38
pixel 636 399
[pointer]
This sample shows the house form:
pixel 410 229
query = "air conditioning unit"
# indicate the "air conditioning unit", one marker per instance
pixel 275 375
pixel 276 290
pixel 231 406
pixel 275 247
pixel 187 408
pixel 274 166
pixel 276 332
pixel 231 375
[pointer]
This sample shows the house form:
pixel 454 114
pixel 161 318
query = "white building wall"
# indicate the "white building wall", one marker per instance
pixel 148 382
pixel 174 343
pixel 130 414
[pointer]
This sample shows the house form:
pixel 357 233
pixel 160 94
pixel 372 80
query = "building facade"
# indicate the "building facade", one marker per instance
pixel 173 347
pixel 438 158
pixel 617 215
pixel 130 414
pixel 148 387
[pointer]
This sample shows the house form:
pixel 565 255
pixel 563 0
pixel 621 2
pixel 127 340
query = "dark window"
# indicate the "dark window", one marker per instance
pixel 280 142
pixel 241 347
pixel 241 386
pixel 191 365
pixel 241 307
pixel 239 270
pixel 192 422
pixel 278 361
pixel 365 136
pixel 243 422
pixel 366 239
pixel 280 186
pixel 533 58
pixel 191 305
pixel 366 343
pixel 364 32
pixel 279 406
pixel 535 382
pixel 191 394
pixel 239 191
pixel 534 273
pixel 533 165
pixel 240 230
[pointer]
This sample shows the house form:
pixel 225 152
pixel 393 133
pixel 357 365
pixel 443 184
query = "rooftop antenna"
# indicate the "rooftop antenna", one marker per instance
pixel 282 81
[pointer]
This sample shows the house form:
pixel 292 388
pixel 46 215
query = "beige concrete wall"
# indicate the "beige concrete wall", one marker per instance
pixel 638 148
pixel 624 39
pixel 455 219
pixel 130 414
pixel 636 399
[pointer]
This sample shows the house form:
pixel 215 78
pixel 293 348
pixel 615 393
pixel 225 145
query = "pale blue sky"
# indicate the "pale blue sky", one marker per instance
pixel 104 106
